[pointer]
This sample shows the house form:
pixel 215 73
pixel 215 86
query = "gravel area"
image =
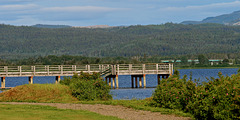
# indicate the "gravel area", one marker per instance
pixel 110 110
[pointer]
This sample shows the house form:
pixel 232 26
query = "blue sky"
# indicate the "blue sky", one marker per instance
pixel 111 12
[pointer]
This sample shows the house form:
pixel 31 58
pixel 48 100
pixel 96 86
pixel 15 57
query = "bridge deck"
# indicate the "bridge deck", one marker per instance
pixel 110 72
pixel 69 70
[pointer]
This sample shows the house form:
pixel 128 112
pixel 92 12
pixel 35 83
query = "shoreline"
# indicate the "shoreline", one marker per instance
pixel 205 67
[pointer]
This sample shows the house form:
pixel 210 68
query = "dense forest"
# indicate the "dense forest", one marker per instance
pixel 79 60
pixel 17 42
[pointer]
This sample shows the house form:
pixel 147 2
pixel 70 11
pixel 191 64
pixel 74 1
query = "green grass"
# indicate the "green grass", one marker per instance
pixel 61 94
pixel 35 112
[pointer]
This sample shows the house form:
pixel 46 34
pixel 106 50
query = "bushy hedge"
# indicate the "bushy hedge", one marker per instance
pixel 219 98
pixel 88 87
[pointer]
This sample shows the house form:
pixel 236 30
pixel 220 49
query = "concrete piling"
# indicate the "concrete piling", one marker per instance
pixel 3 82
pixel 144 80
pixel 112 81
pixel 137 80
pixel 117 82
pixel 109 81
pixel 58 79
pixel 30 80
pixel 140 82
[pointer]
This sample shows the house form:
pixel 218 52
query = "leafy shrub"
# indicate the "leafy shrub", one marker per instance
pixel 216 99
pixel 88 87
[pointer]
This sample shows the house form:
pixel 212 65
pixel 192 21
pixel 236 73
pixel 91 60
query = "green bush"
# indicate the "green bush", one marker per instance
pixel 217 99
pixel 88 87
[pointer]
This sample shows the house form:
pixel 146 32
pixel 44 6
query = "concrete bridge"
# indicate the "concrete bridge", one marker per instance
pixel 109 72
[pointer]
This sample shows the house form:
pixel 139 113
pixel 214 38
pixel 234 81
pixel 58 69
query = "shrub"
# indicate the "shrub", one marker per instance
pixel 38 93
pixel 216 99
pixel 173 93
pixel 88 87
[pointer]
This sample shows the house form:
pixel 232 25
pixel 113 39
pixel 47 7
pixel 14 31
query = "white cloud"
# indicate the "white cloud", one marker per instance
pixel 112 11
pixel 76 13
pixel 69 13
pixel 13 12
pixel 197 12
pixel 17 7
pixel 16 0
pixel 82 9
pixel 6 2
pixel 203 7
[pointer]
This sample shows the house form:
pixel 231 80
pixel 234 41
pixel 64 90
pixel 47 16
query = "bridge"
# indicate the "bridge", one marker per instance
pixel 109 72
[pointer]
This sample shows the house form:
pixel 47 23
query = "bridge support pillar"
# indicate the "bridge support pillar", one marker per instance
pixel 138 81
pixel 164 76
pixel 117 81
pixel 144 80
pixel 110 80
pixel 3 82
pixel 58 79
pixel 30 80
pixel 113 83
pixel 158 79
pixel 132 82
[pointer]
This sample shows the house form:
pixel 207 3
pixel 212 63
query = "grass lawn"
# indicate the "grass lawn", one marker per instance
pixel 36 112
pixel 51 93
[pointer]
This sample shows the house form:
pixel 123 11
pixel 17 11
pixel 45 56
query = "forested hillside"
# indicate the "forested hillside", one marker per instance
pixel 162 40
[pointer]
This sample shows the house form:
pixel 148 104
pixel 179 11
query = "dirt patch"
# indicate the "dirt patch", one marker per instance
pixel 109 110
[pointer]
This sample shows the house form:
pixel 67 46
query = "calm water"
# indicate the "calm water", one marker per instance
pixel 125 92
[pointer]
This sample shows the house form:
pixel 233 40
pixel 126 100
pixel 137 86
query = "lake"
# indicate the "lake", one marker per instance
pixel 125 91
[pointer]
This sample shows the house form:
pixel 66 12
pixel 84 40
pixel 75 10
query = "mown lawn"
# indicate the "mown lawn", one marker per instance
pixel 36 112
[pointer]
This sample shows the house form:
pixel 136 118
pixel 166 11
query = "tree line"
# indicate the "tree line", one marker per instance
pixel 203 60
pixel 18 42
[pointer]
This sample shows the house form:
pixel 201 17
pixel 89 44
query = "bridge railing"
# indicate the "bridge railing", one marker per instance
pixel 104 69
pixel 144 69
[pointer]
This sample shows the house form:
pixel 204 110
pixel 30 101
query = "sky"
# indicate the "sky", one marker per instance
pixel 111 12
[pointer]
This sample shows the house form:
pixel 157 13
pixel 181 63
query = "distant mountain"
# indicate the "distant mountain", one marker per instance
pixel 51 26
pixel 94 26
pixel 226 19
pixel 237 23
pixel 67 26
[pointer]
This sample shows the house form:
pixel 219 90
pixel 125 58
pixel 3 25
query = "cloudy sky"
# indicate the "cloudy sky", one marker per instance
pixel 110 12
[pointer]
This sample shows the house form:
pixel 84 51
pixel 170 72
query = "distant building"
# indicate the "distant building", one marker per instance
pixel 215 61
pixel 212 61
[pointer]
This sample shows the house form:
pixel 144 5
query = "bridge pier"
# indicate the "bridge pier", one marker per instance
pixel 163 76
pixel 30 80
pixel 138 81
pixel 144 80
pixel 3 82
pixel 58 79
pixel 117 81
pixel 111 81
